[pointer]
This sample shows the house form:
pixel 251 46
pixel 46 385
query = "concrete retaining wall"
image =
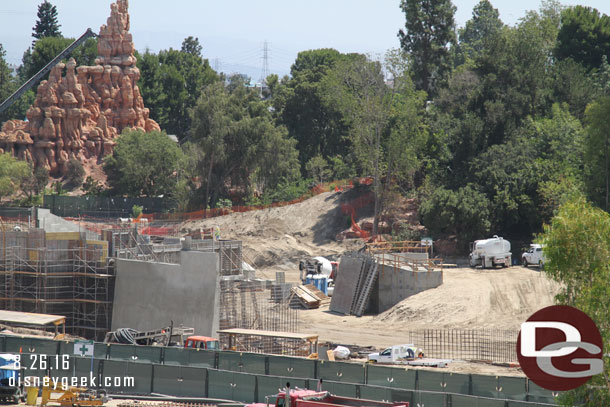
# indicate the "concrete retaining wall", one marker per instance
pixel 395 284
pixel 149 295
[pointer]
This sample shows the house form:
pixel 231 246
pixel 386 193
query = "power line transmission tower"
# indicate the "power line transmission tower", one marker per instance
pixel 265 70
pixel 216 64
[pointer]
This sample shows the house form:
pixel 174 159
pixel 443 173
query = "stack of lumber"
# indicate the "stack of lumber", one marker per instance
pixel 309 296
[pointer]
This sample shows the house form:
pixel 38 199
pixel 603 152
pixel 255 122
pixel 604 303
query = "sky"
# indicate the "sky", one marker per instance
pixel 233 33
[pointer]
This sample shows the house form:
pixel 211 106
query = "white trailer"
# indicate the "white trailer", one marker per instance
pixel 490 252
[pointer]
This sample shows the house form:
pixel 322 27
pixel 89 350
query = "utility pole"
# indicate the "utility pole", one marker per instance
pixel 265 69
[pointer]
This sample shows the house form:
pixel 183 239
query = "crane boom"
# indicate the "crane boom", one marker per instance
pixel 34 79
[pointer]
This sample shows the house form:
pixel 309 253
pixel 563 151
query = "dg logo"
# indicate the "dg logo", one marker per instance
pixel 559 348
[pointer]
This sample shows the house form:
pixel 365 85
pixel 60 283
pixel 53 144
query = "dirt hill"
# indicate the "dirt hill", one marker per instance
pixel 275 239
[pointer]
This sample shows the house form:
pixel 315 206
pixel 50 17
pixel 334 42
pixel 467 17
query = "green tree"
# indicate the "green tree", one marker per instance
pixel 238 144
pixel 577 248
pixel 485 23
pixel 143 164
pixel 46 25
pixel 76 173
pixel 584 36
pixel 315 124
pixel 191 46
pixel 385 122
pixel 597 167
pixel 13 172
pixel 317 168
pixel 35 182
pixel 48 48
pixel 463 213
pixel 429 32
pixel 171 82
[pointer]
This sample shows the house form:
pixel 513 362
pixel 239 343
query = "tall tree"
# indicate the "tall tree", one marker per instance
pixel 143 164
pixel 485 23
pixel 584 36
pixel 577 246
pixel 597 169
pixel 237 143
pixel 171 83
pixel 429 32
pixel 191 46
pixel 46 25
pixel 385 121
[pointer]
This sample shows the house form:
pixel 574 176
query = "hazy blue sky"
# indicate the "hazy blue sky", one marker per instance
pixel 232 32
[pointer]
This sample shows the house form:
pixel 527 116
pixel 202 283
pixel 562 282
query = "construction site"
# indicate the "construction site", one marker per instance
pixel 237 278
pixel 294 303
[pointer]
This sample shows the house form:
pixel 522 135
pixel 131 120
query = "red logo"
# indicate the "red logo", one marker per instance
pixel 560 348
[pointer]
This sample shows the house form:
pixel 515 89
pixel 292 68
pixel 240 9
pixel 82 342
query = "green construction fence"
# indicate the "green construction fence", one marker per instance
pixel 250 376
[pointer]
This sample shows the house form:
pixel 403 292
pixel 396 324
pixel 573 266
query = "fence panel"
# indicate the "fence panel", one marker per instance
pixel 142 378
pixel 340 389
pixel 202 358
pixel 342 371
pixel 538 394
pixel 135 353
pixel 179 381
pixel 18 344
pixel 241 362
pixel 386 376
pixel 456 383
pixel 423 398
pixel 513 387
pixel 470 401
pixel 292 367
pixel 231 386
pixel 271 385
pixel 113 368
pixel 175 356
pixel 430 381
pixel 484 386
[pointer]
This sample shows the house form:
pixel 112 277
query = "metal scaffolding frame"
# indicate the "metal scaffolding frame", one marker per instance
pixel 77 283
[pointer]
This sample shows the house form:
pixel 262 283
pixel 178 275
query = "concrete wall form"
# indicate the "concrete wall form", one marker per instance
pixel 149 295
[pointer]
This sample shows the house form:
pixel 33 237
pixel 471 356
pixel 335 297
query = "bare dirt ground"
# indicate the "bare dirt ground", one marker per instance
pixel 275 239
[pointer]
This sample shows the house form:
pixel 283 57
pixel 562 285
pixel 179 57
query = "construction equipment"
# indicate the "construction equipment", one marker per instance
pixel 534 256
pixel 73 396
pixel 202 342
pixel 319 398
pixel 11 383
pixel 168 336
pixel 396 354
pixel 490 252
pixel 34 79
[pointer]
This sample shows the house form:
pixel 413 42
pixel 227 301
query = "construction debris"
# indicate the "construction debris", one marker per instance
pixel 309 296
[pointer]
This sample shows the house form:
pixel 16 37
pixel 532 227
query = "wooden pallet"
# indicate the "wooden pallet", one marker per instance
pixel 309 296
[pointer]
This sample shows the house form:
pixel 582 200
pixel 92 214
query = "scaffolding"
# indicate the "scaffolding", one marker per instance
pixel 75 282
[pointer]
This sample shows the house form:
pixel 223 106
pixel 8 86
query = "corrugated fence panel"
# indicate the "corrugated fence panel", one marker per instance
pixel 179 381
pixel 342 371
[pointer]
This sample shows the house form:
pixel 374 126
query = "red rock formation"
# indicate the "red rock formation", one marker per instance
pixel 78 115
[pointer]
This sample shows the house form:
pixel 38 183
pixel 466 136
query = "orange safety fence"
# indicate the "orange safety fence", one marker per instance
pixel 212 213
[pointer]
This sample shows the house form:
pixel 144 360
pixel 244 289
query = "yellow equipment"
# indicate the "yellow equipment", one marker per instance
pixel 70 397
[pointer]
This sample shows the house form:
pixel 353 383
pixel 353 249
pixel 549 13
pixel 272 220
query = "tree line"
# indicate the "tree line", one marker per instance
pixel 490 126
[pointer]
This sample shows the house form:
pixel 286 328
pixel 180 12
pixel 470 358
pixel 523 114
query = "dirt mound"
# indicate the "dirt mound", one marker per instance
pixel 280 237
pixel 472 298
